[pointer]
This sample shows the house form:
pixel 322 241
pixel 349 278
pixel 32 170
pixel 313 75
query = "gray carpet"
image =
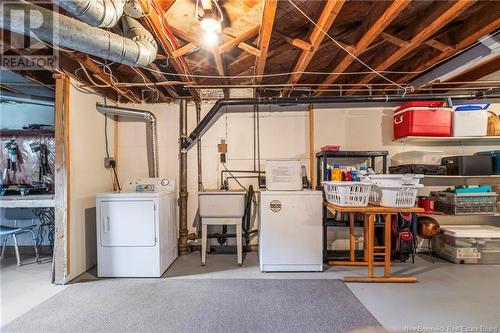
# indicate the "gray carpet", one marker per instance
pixel 210 305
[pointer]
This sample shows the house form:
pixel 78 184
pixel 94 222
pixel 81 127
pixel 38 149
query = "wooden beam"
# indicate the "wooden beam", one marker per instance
pixel 234 42
pixel 364 43
pixel 312 155
pixel 394 40
pixel 325 21
pixel 157 24
pixel 297 42
pixel 481 24
pixel 425 30
pixel 266 29
pixel 249 48
pixel 165 4
pixel 189 47
pixel 61 266
pixel 439 45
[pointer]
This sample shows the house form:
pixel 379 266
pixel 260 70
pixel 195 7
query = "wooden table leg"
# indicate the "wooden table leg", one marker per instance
pixel 352 255
pixel 371 236
pixel 387 244
pixel 365 237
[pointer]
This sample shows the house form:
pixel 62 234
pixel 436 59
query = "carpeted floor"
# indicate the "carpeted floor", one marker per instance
pixel 211 305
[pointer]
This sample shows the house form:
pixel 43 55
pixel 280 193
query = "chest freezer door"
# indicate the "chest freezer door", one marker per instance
pixel 127 223
pixel 291 231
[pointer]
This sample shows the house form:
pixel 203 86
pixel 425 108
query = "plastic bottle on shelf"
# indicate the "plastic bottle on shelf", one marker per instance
pixel 336 172
pixel 362 171
pixel 355 177
pixel 328 173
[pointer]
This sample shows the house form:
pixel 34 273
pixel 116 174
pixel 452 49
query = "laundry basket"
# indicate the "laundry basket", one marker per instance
pixel 396 196
pixel 347 194
pixel 395 179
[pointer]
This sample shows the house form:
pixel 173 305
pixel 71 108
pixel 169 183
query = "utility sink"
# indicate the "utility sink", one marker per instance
pixel 221 203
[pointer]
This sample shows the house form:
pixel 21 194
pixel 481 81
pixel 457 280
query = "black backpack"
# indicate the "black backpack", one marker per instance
pixel 404 238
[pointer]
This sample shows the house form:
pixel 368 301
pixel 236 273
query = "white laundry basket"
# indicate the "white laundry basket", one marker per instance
pixel 347 194
pixel 394 180
pixel 395 196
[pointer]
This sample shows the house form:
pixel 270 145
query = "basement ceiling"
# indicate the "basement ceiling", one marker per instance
pixel 281 49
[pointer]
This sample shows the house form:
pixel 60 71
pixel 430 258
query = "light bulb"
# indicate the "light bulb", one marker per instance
pixel 210 24
pixel 211 37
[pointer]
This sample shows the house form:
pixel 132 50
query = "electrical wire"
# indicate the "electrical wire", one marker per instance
pixel 113 166
pixel 346 50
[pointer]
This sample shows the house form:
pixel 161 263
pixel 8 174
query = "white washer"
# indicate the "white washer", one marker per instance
pixel 137 231
pixel 290 237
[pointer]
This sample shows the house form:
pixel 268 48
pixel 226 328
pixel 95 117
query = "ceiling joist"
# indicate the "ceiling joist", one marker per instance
pixel 325 21
pixel 266 29
pixel 425 30
pixel 371 34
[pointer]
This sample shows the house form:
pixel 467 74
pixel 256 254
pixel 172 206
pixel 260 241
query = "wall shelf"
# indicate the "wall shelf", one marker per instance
pixel 26 132
pixel 466 140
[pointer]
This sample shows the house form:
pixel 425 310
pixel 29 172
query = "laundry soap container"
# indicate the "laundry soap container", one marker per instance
pixel 470 123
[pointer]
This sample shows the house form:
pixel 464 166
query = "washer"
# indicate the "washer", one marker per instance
pixel 137 229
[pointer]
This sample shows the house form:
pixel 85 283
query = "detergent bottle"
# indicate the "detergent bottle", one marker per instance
pixel 336 172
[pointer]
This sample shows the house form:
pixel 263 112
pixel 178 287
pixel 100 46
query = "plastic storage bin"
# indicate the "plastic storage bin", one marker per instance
pixel 347 194
pixel 469 244
pixel 495 159
pixel 472 165
pixel 397 196
pixel 470 106
pixel 470 123
pixel 422 121
pixel 465 203
pixel 431 157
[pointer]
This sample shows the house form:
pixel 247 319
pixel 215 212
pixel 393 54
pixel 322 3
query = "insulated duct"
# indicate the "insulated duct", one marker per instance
pixel 97 13
pixel 138 50
pixel 151 136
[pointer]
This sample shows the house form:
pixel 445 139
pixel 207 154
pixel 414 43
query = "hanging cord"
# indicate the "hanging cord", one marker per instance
pixel 343 48
pixel 107 149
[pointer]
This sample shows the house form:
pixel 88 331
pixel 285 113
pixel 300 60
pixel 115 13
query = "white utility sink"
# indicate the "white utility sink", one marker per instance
pixel 221 203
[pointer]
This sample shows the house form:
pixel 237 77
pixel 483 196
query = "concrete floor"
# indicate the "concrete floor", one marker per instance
pixel 446 294
pixel 23 288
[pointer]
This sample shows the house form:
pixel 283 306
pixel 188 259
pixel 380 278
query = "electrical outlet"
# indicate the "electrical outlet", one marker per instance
pixel 109 162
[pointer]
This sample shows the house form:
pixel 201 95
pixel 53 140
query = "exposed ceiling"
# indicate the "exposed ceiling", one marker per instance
pixel 281 48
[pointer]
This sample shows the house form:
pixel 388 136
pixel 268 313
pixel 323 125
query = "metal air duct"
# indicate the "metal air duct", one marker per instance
pixel 151 136
pixel 97 13
pixel 138 50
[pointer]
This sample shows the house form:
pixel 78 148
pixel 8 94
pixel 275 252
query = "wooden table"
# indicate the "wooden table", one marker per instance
pixel 370 250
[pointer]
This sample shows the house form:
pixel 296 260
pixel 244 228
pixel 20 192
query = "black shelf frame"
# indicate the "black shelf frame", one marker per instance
pixel 322 159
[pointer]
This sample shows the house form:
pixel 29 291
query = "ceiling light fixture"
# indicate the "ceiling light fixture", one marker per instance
pixel 210 21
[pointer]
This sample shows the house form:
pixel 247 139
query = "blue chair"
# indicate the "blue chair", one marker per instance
pixel 15 214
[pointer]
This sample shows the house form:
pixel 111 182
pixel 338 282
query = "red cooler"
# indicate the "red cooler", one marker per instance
pixel 422 118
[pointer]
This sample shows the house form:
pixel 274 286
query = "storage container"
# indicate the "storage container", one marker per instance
pixel 347 194
pixel 470 106
pixel 470 123
pixel 283 175
pixel 471 165
pixel 424 169
pixel 422 121
pixel 465 203
pixel 394 180
pixel 412 104
pixel 474 244
pixel 397 196
pixel 431 157
pixel 495 159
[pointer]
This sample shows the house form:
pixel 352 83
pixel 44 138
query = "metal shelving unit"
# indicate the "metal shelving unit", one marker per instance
pixel 327 157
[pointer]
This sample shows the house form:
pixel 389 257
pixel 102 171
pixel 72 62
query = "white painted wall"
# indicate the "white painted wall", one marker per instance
pixel 87 176
pixel 283 135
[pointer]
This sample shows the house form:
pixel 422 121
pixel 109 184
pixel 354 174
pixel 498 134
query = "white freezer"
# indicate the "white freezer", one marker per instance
pixel 290 231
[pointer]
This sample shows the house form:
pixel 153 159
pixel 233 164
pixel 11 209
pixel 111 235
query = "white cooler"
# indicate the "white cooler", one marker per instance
pixel 470 123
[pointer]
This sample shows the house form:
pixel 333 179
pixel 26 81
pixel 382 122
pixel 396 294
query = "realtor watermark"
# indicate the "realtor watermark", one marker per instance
pixel 26 28
pixel 452 329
